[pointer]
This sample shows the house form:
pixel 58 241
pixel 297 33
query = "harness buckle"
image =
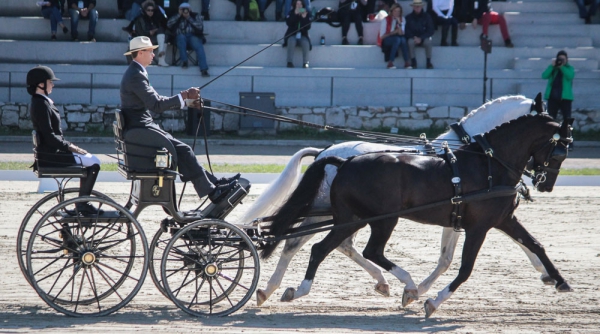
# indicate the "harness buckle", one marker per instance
pixel 456 200
pixel 489 152
pixel 466 139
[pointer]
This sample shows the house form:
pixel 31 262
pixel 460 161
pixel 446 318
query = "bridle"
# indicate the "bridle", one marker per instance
pixel 557 154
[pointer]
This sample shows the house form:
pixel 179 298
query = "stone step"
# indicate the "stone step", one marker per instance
pixel 540 64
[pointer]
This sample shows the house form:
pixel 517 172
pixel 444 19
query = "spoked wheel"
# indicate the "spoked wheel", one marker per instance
pixel 87 265
pixel 155 253
pixel 210 268
pixel 33 216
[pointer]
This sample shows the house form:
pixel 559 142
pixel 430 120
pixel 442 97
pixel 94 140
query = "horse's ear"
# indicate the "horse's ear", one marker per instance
pixel 566 127
pixel 538 104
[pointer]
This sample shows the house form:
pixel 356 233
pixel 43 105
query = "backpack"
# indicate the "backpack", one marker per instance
pixel 329 16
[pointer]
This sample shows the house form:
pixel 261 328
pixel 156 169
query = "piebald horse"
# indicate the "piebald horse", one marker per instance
pixel 377 188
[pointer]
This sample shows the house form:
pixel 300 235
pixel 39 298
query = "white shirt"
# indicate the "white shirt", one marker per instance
pixel 440 5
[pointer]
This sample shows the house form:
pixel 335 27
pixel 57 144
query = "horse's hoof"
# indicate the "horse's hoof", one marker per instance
pixel 547 280
pixel 288 295
pixel 383 289
pixel 261 297
pixel 564 287
pixel 409 296
pixel 429 308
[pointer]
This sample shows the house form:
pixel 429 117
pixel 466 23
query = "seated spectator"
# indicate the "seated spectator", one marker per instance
pixel 287 4
pixel 51 10
pixel 262 4
pixel 392 36
pixel 485 16
pixel 442 13
pixel 152 24
pixel 188 28
pixel 350 11
pixel 297 18
pixel 86 12
pixel 587 14
pixel 419 29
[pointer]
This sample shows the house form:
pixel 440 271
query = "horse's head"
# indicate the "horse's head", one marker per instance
pixel 548 159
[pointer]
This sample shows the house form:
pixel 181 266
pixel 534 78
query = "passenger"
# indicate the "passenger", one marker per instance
pixel 53 150
pixel 138 98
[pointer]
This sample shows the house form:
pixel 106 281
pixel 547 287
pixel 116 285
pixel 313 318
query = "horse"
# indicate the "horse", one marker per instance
pixel 377 188
pixel 482 119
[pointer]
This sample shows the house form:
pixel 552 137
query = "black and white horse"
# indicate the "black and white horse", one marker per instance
pixel 480 120
pixel 382 185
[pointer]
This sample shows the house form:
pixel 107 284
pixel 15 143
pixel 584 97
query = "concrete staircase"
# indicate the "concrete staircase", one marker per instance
pixel 339 75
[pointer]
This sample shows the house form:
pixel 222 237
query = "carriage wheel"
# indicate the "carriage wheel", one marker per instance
pixel 210 268
pixel 157 247
pixel 33 216
pixel 87 265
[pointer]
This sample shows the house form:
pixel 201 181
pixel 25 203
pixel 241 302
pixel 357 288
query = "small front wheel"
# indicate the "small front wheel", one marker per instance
pixel 210 268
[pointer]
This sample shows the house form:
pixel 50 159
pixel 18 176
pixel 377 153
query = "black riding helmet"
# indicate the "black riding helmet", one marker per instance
pixel 39 75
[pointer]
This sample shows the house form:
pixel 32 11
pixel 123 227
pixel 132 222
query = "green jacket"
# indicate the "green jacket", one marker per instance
pixel 568 73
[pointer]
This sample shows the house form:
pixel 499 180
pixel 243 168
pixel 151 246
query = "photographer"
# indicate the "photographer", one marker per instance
pixel 559 90
pixel 188 28
pixel 297 18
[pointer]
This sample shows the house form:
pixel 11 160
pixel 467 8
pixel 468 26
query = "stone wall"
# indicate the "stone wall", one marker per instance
pixel 97 118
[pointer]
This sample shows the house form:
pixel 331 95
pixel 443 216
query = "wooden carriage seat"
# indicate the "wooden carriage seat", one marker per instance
pixel 139 147
pixel 70 171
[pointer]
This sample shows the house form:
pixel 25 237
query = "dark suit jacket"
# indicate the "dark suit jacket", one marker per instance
pixel 53 149
pixel 138 97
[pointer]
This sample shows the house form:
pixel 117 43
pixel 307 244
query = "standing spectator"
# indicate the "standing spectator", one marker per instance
pixel 392 35
pixel 585 13
pixel 419 29
pixel 189 29
pixel 298 18
pixel 205 8
pixel 152 24
pixel 484 15
pixel 133 8
pixel 559 90
pixel 87 11
pixel 442 12
pixel 246 5
pixel 51 10
pixel 350 11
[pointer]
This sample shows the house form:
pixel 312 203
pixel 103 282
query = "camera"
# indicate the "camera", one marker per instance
pixel 558 62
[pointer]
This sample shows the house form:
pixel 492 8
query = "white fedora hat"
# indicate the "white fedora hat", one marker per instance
pixel 417 3
pixel 139 43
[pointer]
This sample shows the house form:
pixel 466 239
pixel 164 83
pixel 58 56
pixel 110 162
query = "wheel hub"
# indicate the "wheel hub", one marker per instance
pixel 211 269
pixel 88 258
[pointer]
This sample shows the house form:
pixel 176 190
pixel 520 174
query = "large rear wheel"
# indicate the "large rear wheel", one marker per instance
pixel 210 268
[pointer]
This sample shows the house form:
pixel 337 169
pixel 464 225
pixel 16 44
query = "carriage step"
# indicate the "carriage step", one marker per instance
pixel 221 209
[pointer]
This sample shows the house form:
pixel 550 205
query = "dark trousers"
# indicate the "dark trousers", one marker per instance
pixel 347 16
pixel 190 168
pixel 563 105
pixel 446 23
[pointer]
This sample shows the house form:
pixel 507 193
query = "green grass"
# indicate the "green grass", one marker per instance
pixel 217 168
pixel 258 168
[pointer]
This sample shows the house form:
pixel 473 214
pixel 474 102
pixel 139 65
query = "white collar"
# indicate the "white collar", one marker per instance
pixel 143 68
pixel 46 97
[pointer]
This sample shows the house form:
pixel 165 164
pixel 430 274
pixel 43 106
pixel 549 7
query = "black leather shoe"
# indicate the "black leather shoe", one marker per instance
pixel 227 180
pixel 85 208
pixel 221 191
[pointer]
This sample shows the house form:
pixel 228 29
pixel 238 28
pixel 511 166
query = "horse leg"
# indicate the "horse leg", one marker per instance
pixel 473 240
pixel 380 234
pixel 347 248
pixel 513 228
pixel 292 246
pixel 537 264
pixel 447 248
pixel 318 253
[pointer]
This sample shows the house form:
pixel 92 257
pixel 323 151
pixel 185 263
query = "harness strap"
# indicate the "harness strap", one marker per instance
pixel 489 153
pixel 456 217
pixel 460 131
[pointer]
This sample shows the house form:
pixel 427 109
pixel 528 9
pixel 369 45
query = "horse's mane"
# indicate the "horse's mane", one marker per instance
pixel 494 102
pixel 519 119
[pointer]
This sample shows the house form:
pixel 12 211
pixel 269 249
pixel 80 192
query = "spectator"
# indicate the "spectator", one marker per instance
pixel 298 22
pixel 53 150
pixel 585 13
pixel 350 11
pixel 484 15
pixel 188 28
pixel 152 24
pixel 442 13
pixel 86 11
pixel 287 4
pixel 51 10
pixel 419 29
pixel 246 5
pixel 133 8
pixel 392 35
pixel 559 90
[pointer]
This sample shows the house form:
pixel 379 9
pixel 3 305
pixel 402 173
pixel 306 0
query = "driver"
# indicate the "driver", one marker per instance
pixel 138 98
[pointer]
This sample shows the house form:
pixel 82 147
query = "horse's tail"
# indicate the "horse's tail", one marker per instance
pixel 279 190
pixel 300 201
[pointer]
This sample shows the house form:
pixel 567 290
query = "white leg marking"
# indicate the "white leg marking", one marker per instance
pixel 447 248
pixel 303 289
pixel 347 248
pixel 404 277
pixel 442 297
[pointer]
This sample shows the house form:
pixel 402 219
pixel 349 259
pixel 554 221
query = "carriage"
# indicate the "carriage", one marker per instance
pixel 95 264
